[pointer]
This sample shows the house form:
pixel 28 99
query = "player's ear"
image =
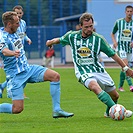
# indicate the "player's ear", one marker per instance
pixel 22 13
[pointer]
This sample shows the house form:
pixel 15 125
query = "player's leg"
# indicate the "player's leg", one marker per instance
pixel 54 79
pixel 104 97
pixel 123 55
pixel 41 74
pixel 121 82
pixel 114 95
pixel 128 79
pixel 17 96
pixel 18 106
pixel 97 83
pixel 2 87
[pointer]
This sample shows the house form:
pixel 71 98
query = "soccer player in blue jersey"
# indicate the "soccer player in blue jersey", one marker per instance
pixel 22 33
pixel 86 46
pixel 19 72
pixel 22 28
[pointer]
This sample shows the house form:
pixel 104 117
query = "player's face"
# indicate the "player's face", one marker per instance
pixel 14 26
pixel 129 13
pixel 87 28
pixel 19 13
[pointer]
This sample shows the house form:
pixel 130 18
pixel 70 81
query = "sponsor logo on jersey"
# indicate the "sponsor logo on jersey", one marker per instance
pixel 126 32
pixel 18 44
pixel 87 61
pixel 21 35
pixel 84 52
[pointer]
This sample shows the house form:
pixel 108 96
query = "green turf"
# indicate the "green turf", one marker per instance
pixel 88 110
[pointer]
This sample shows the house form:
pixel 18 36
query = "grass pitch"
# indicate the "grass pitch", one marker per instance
pixel 88 110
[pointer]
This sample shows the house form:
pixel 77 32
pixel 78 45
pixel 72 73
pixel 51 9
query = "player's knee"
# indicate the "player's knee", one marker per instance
pixel 17 110
pixel 57 77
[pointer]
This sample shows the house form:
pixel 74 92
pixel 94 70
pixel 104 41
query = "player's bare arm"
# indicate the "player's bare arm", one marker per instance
pixel 29 41
pixel 114 41
pixel 49 43
pixel 131 44
pixel 7 52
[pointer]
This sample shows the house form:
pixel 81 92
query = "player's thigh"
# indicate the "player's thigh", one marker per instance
pixel 40 74
pixel 129 57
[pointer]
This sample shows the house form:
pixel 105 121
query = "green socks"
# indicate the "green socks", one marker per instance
pixel 122 79
pixel 106 99
pixel 129 81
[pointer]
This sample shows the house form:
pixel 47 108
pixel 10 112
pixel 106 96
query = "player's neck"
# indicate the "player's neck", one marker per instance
pixel 8 30
pixel 128 19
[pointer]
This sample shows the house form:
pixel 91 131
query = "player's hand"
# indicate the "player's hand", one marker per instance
pixel 129 72
pixel 49 44
pixel 131 44
pixel 16 53
pixel 29 41
pixel 115 45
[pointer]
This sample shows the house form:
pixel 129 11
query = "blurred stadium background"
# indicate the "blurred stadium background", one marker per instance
pixel 47 19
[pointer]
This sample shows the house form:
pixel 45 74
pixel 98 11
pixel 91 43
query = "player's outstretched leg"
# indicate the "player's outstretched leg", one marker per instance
pixel 55 93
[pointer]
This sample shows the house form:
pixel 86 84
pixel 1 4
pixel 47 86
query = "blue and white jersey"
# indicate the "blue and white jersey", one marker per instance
pixel 22 31
pixel 13 65
pixel 0 33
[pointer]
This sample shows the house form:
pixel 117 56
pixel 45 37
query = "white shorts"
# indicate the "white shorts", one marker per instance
pixel 125 55
pixel 103 79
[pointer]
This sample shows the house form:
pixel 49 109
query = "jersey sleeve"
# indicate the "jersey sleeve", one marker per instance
pixel 105 48
pixel 2 44
pixel 115 28
pixel 64 40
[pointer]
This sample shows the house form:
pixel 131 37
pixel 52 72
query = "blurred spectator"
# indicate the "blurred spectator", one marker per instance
pixel 49 57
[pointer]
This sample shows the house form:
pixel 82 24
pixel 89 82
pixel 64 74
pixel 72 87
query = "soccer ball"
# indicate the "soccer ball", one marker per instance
pixel 117 112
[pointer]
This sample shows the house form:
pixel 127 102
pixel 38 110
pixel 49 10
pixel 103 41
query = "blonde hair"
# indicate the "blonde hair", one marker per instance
pixel 8 17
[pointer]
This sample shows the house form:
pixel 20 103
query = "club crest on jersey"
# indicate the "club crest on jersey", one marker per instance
pixel 84 52
pixel 78 43
pixel 126 32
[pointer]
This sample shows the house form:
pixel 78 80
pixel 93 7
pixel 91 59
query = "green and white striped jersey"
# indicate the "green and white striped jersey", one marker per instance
pixel 124 34
pixel 85 51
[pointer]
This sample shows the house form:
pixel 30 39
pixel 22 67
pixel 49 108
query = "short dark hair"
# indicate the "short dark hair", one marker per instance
pixel 129 6
pixel 85 17
pixel 17 7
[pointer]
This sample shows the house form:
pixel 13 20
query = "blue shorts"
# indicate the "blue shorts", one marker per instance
pixel 33 74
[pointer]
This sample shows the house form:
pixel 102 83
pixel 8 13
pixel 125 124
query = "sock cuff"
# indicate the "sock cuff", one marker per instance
pixel 55 83
pixel 101 93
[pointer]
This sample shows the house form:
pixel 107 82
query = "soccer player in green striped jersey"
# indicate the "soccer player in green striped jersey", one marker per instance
pixel 123 27
pixel 85 47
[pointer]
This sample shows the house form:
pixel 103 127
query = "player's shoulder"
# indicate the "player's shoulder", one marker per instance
pixel 120 19
pixel 22 22
pixel 73 33
pixel 97 36
pixel 5 34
